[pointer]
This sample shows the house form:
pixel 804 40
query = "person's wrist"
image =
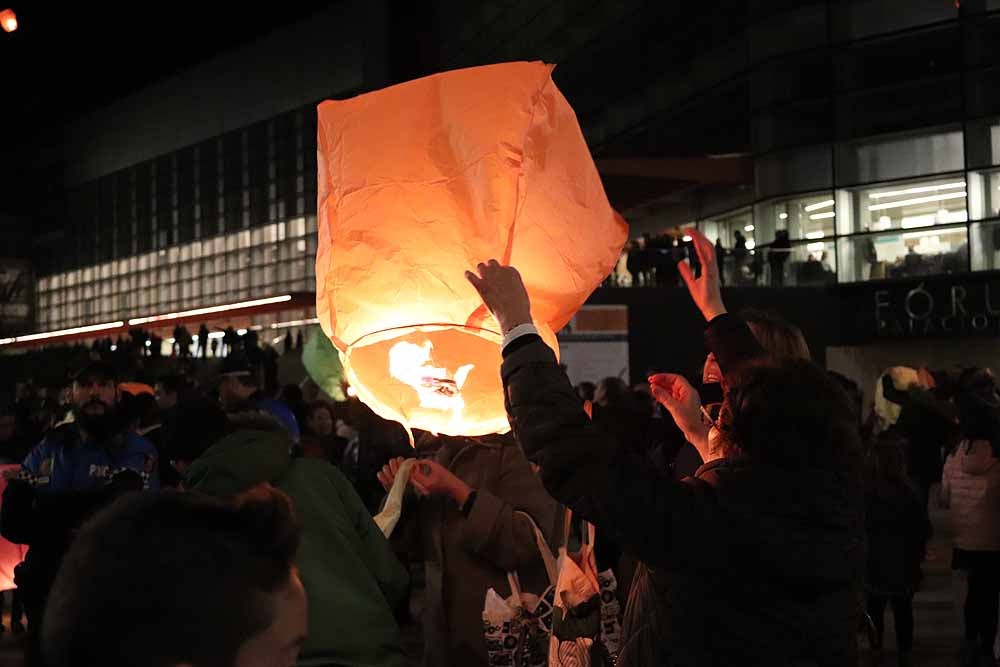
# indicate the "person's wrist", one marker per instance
pixel 713 310
pixel 508 322
pixel 459 491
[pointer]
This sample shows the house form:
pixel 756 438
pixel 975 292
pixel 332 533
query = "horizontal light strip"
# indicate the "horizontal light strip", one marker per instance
pixel 62 332
pixel 815 235
pixel 919 221
pixel 295 323
pixel 815 247
pixel 210 309
pixel 822 216
pixel 917 200
pixel 918 190
pixel 934 232
pixel 817 206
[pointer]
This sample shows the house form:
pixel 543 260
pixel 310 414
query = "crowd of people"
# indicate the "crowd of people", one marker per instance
pixel 652 260
pixel 756 513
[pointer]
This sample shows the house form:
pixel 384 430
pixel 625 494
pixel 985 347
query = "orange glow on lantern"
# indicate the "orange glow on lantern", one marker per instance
pixel 8 20
pixel 487 162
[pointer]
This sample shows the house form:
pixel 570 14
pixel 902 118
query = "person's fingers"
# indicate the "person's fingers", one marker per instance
pixel 658 378
pixel 493 264
pixel 394 467
pixel 701 247
pixel 476 281
pixel 384 480
pixel 665 379
pixel 664 397
pixel 421 489
pixel 687 274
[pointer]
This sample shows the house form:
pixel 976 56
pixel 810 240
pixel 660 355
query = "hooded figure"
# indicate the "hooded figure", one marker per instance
pixel 352 578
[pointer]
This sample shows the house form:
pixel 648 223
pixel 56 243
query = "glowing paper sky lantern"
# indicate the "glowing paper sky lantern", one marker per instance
pixel 418 183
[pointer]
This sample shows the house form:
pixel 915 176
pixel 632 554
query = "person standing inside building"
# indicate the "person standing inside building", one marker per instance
pixel 970 486
pixel 79 467
pixel 202 341
pixel 720 259
pixel 778 256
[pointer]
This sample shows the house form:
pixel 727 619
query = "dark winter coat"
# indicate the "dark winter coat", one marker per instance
pixel 898 529
pixel 765 566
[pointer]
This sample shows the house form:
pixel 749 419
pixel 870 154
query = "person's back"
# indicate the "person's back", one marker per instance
pixel 775 578
pixel 971 486
pixel 353 580
pixel 898 530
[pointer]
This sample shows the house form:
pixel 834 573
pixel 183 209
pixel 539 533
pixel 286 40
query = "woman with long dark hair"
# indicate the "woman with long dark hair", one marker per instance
pixel 765 546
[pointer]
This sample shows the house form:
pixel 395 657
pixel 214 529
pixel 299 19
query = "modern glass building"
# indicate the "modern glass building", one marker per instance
pixel 872 130
pixel 861 135
pixel 228 220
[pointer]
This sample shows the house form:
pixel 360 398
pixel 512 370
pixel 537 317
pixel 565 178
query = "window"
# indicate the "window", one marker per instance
pixel 982 141
pixel 985 241
pixel 854 19
pixel 900 156
pixel 795 170
pixel 803 217
pixel 737 234
pixel 904 254
pixel 903 205
pixel 984 195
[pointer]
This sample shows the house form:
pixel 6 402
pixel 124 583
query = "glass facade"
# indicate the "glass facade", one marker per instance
pixel 228 219
pixel 265 261
pixel 878 229
pixel 874 140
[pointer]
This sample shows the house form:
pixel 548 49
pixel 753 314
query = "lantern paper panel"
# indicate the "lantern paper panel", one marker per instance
pixel 420 182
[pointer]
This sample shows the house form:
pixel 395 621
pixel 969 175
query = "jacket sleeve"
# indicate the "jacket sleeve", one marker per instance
pixel 494 530
pixel 733 344
pixel 392 577
pixel 603 481
pixel 17 512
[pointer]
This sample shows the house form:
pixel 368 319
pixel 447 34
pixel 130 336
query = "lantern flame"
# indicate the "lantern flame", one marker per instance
pixel 412 365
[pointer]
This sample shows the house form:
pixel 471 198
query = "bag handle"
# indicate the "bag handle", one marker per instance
pixel 515 588
pixel 567 525
pixel 587 530
pixel 543 548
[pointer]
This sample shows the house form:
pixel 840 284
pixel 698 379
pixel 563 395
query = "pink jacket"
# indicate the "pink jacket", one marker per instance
pixel 970 485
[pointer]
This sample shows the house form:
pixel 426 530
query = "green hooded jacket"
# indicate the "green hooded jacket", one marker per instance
pixel 352 578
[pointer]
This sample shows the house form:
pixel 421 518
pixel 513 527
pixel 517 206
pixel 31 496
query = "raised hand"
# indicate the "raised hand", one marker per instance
pixel 502 290
pixel 706 289
pixel 678 396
